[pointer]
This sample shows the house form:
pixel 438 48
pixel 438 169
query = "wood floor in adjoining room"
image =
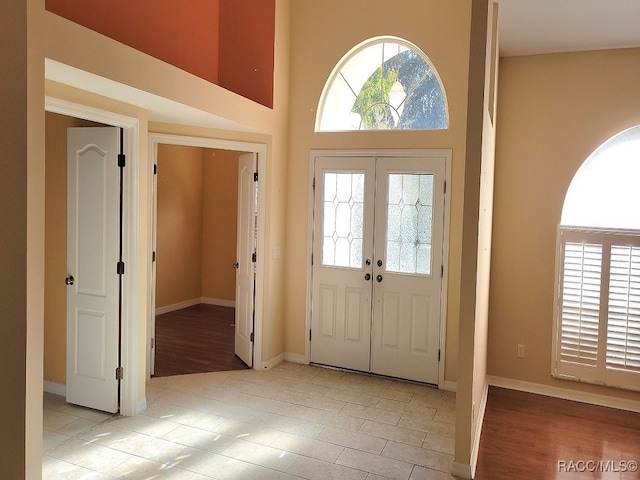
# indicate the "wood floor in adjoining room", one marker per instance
pixel 196 339
pixel 528 436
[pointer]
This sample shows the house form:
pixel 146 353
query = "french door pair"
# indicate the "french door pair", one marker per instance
pixel 377 265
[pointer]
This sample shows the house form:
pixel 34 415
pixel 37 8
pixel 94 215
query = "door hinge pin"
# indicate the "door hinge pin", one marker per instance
pixel 120 268
pixel 119 373
pixel 255 176
pixel 309 334
pixel 438 354
pixel 155 168
pixel 153 256
pixel 251 337
pixel 121 160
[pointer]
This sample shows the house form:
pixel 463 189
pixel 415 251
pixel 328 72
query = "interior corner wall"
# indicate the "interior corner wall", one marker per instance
pixel 219 224
pixel 553 112
pixel 246 51
pixel 179 225
pixel 184 37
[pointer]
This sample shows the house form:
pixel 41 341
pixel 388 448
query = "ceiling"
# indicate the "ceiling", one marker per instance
pixel 530 27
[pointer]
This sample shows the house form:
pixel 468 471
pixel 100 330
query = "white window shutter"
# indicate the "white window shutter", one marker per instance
pixel 623 329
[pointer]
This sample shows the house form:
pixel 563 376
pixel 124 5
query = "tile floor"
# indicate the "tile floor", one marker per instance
pixel 293 421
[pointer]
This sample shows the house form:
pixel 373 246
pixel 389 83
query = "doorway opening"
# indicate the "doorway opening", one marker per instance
pixel 54 348
pixel 208 236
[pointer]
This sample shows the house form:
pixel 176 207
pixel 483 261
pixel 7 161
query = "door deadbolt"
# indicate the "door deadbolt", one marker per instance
pixel 379 278
pixel 367 277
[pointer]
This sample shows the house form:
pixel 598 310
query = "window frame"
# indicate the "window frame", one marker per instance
pixel 335 72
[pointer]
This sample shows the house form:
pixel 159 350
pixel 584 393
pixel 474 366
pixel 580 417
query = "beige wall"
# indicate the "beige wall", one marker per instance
pixel 219 224
pixel 553 111
pixel 441 30
pixel 197 217
pixel 179 227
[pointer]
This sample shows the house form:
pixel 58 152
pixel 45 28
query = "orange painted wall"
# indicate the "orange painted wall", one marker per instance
pixel 247 32
pixel 184 37
pixel 226 42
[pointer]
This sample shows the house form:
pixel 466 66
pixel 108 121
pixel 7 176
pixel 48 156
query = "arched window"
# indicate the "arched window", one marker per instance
pixel 597 314
pixel 383 83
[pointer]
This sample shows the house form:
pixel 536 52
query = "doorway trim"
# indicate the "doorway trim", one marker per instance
pixel 383 153
pixel 129 404
pixel 260 149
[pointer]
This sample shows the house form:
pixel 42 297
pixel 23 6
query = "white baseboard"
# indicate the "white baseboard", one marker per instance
pixel 195 301
pixel 218 302
pixel 565 393
pixel 295 358
pixel 450 386
pixel 141 405
pixel 475 447
pixel 268 365
pixel 461 470
pixel 177 306
pixel 54 388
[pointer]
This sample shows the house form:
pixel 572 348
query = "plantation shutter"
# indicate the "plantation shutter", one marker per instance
pixel 597 336
pixel 623 329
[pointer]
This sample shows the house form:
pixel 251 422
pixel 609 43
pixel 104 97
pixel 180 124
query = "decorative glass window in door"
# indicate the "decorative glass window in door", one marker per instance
pixel 343 215
pixel 382 84
pixel 409 221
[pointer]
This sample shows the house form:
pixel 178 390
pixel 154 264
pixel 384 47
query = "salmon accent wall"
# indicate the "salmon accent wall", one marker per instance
pixel 247 32
pixel 186 38
pixel 225 42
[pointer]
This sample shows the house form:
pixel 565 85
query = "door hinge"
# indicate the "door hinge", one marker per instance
pixel 153 256
pixel 309 334
pixel 120 268
pixel 251 337
pixel 155 168
pixel 441 271
pixel 438 354
pixel 254 257
pixel 121 159
pixel 153 342
pixel 119 373
pixel 255 176
pixel 313 183
pixel 312 259
pixel 445 186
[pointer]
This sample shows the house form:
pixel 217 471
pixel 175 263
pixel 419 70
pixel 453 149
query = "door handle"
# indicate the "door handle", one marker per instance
pixel 367 277
pixel 236 265
pixel 69 280
pixel 379 278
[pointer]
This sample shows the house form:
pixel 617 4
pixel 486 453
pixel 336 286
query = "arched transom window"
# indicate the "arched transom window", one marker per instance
pixel 384 83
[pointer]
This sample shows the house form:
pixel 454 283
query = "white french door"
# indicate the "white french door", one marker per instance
pixel 377 265
pixel 92 258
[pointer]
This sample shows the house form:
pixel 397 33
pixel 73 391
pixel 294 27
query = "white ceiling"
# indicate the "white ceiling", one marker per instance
pixel 530 27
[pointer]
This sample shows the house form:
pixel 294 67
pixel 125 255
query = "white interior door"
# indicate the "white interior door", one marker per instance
pixel 407 268
pixel 245 264
pixel 377 259
pixel 92 256
pixel 343 248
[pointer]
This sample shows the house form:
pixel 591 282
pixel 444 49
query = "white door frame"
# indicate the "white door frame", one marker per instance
pixel 410 153
pixel 261 150
pixel 131 134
